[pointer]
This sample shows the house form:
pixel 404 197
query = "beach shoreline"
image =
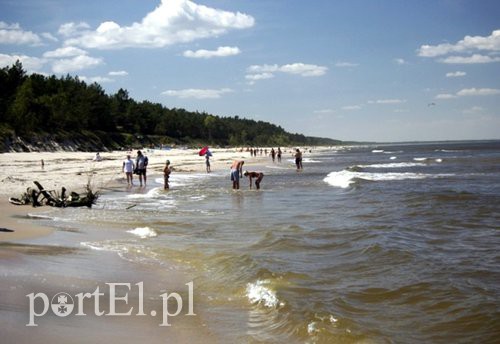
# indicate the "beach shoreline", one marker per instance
pixel 31 247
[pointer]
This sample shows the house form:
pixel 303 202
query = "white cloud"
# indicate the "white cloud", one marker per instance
pixel 387 101
pixel 173 21
pixel 321 111
pixel 260 72
pixel 303 69
pixel 76 63
pixel 98 79
pixel 445 96
pixel 456 74
pixel 346 64
pixel 14 34
pixel 64 52
pixel 352 107
pixel 473 110
pixel 118 73
pixel 73 29
pixel 197 93
pixel 469 43
pixel 400 61
pixel 30 64
pixel 263 68
pixel 261 76
pixel 478 92
pixel 206 54
pixel 476 58
pixel 466 92
pixel 49 36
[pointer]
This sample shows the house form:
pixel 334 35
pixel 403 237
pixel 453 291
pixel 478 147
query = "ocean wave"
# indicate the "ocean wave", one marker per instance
pixel 447 150
pixel 345 178
pixel 153 193
pixel 43 217
pixel 428 159
pixel 305 160
pixel 377 151
pixel 260 292
pixel 393 165
pixel 143 232
pixel 130 251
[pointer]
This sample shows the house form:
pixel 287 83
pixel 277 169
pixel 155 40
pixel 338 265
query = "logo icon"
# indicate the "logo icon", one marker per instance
pixel 62 304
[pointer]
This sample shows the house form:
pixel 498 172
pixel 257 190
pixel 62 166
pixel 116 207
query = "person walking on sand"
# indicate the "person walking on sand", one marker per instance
pixel 298 159
pixel 141 165
pixel 258 175
pixel 128 168
pixel 166 175
pixel 236 171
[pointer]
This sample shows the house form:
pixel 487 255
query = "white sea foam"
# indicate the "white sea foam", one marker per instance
pixel 105 246
pixel 420 159
pixel 309 160
pixel 446 150
pixel 394 165
pixel 305 160
pixel 393 157
pixel 377 151
pixel 260 293
pixel 345 178
pixel 180 179
pixel 43 217
pixel 312 328
pixel 439 160
pixel 153 193
pixel 143 232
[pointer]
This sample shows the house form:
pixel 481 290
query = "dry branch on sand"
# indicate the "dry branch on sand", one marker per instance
pixel 54 199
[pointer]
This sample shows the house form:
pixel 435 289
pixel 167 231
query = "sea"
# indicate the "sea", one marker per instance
pixel 375 243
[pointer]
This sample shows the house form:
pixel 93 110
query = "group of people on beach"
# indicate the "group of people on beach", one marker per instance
pixel 237 173
pixel 139 166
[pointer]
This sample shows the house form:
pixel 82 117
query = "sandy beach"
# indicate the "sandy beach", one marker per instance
pixel 34 258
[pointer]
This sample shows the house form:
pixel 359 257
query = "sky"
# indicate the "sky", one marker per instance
pixel 354 70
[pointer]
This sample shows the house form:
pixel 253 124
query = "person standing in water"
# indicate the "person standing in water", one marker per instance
pixel 128 168
pixel 258 175
pixel 140 165
pixel 207 161
pixel 298 159
pixel 279 154
pixel 166 175
pixel 236 171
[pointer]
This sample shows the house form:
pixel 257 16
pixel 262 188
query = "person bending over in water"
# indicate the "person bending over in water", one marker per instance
pixel 166 175
pixel 258 175
pixel 236 171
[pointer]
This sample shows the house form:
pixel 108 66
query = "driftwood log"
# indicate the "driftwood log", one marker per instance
pixel 40 196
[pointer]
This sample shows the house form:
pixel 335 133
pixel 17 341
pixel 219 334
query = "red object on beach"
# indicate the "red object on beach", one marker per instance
pixel 203 151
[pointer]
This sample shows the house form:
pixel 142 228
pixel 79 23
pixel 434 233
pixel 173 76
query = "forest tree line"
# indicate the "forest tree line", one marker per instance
pixel 34 105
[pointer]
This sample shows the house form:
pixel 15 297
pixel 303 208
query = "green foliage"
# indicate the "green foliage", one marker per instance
pixel 39 104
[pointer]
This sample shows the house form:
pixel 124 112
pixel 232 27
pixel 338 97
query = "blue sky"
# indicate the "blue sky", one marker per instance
pixel 351 70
